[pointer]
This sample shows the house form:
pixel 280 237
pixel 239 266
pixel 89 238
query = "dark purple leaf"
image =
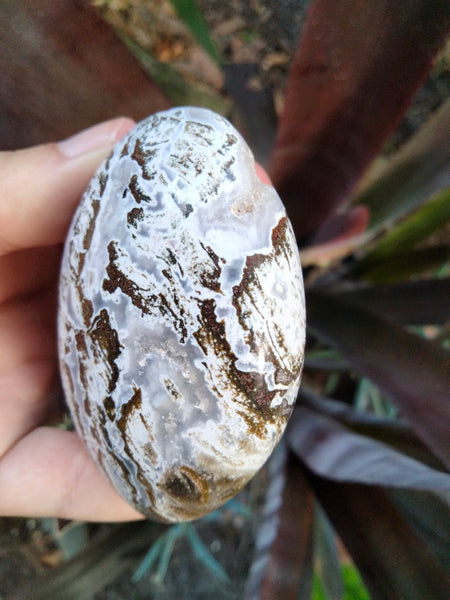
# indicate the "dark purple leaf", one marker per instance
pixel 393 560
pixel 282 566
pixel 395 433
pixel 421 302
pixel 332 451
pixel 339 236
pixel 413 372
pixel 63 69
pixel 357 66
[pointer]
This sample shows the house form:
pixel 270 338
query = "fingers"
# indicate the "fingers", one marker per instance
pixel 49 473
pixel 260 171
pixel 41 186
pixel 27 272
pixel 27 365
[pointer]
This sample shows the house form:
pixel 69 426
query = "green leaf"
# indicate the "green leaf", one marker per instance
pixel 190 14
pixel 419 170
pixel 421 302
pixel 326 559
pixel 404 265
pixel 393 560
pixel 204 555
pixel 148 560
pixel 431 217
pixel 178 90
pixel 413 373
pixel 331 451
pixel 354 586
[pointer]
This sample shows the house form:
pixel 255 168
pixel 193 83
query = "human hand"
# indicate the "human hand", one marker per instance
pixel 44 471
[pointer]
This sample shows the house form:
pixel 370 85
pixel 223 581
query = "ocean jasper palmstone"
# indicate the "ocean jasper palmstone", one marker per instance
pixel 181 315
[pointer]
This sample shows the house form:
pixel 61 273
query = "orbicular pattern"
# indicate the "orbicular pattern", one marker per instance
pixel 181 318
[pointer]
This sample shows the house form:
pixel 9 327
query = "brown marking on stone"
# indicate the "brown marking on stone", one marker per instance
pixel 83 357
pixel 102 181
pixel 143 157
pixel 250 287
pixel 135 404
pixel 102 422
pixel 80 342
pixel 186 485
pixel 144 301
pixel 106 345
pixel 87 310
pixel 208 278
pixel 74 405
pixel 110 408
pixel 150 452
pixel 177 321
pixel 279 233
pixel 125 150
pixel 172 389
pixel 111 451
pixel 117 280
pixel 227 169
pixel 90 229
pixel 136 191
pixel 96 436
pixel 87 406
pixel 250 387
pixel 134 216
pixel 255 388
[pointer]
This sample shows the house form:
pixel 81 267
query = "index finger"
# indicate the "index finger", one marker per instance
pixel 41 186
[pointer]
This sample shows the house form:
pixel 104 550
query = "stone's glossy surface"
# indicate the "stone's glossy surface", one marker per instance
pixel 181 317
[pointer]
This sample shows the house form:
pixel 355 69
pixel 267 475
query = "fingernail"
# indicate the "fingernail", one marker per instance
pixel 95 137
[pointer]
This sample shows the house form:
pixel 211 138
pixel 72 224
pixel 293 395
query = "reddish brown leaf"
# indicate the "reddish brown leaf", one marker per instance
pixel 394 562
pixel 64 69
pixel 337 237
pixel 413 372
pixel 282 565
pixel 357 66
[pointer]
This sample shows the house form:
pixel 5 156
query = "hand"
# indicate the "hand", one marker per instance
pixel 44 471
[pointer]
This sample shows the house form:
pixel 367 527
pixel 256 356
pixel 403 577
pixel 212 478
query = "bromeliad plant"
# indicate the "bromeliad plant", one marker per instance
pixel 368 445
pixel 375 456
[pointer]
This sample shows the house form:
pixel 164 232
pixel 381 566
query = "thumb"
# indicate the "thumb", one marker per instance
pixel 40 187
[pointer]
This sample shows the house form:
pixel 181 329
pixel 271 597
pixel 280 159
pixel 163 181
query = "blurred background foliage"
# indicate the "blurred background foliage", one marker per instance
pixel 347 105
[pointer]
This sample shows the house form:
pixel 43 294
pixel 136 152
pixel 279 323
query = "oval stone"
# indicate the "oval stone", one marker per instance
pixel 181 315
